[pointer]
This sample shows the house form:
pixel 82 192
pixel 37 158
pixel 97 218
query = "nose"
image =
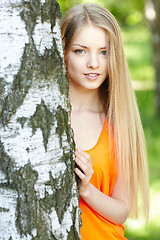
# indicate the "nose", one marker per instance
pixel 93 61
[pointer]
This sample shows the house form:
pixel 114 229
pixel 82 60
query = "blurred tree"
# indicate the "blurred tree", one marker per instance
pixel 152 10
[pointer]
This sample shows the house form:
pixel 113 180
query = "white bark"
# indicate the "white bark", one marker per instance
pixel 38 191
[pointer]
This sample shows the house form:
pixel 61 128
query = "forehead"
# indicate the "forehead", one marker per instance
pixel 91 35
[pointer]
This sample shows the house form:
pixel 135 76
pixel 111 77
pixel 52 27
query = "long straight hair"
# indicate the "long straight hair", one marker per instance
pixel 120 101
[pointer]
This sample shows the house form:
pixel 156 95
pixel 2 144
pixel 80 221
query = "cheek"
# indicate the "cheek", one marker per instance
pixel 70 68
pixel 68 65
pixel 71 65
pixel 104 65
pixel 66 62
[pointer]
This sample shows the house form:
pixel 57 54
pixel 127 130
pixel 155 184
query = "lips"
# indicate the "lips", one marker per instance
pixel 92 76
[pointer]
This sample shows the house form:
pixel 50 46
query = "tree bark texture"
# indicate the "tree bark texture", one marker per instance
pixel 38 189
pixel 154 7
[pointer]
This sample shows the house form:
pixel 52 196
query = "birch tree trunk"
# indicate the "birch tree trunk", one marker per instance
pixel 153 16
pixel 38 190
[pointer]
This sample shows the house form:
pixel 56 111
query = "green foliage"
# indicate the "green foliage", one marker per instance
pixel 126 12
pixel 151 123
pixel 65 4
pixel 137 230
pixel 138 50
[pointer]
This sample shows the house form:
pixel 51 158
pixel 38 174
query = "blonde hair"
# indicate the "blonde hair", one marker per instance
pixel 121 107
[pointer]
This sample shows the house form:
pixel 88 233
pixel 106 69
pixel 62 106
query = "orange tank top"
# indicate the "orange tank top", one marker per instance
pixel 94 226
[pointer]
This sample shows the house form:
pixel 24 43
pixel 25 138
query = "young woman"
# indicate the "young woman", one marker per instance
pixel 111 155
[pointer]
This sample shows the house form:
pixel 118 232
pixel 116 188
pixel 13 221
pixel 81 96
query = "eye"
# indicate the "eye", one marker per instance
pixel 79 51
pixel 104 53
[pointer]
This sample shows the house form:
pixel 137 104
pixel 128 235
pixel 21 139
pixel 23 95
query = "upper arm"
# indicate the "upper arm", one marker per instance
pixel 121 193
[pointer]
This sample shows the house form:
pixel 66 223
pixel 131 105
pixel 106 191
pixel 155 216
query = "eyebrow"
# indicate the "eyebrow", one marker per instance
pixel 83 46
pixel 76 44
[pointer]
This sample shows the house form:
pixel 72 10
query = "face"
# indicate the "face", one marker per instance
pixel 86 60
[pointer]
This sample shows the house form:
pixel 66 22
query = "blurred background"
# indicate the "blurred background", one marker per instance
pixel 140 25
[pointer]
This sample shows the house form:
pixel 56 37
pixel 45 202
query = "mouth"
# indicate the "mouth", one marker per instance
pixel 92 76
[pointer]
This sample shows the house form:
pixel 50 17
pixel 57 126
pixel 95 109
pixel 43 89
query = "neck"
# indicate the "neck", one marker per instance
pixel 84 99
